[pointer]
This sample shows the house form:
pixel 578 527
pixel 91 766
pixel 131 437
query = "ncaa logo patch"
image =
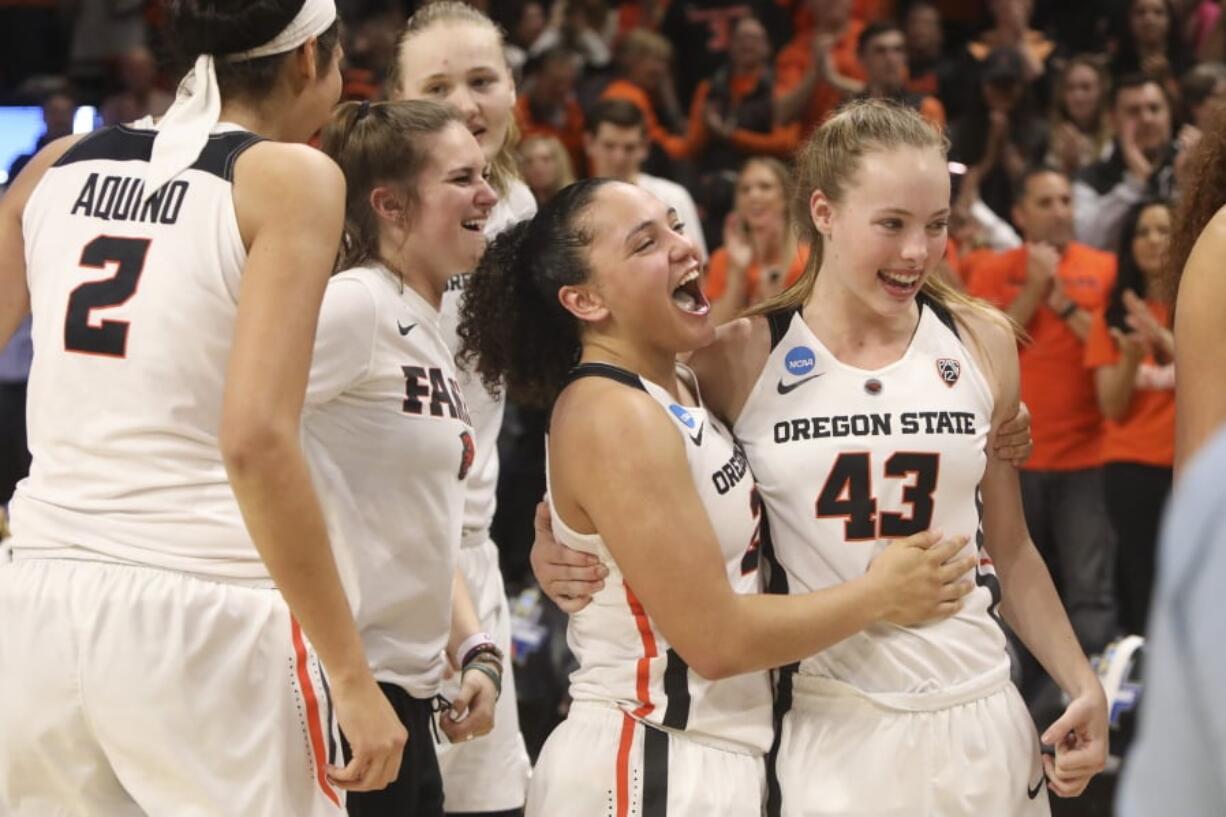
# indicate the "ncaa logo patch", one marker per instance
pixel 468 453
pixel 949 370
pixel 684 416
pixel 800 360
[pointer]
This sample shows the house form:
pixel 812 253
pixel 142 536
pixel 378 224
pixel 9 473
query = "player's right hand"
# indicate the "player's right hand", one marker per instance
pixel 568 577
pixel 375 735
pixel 918 579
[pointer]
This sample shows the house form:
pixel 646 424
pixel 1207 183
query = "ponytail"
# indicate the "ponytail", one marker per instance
pixel 513 329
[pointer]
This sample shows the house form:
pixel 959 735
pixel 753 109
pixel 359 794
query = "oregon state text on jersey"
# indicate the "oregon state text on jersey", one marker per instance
pixel 134 306
pixel 623 657
pixel 846 459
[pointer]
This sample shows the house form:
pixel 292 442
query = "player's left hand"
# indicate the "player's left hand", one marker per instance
pixel 472 712
pixel 1013 442
pixel 1080 740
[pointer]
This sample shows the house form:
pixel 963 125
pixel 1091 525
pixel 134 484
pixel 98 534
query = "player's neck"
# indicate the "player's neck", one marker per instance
pixel 271 118
pixel 658 367
pixel 854 332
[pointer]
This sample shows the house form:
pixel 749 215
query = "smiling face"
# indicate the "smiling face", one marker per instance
pixel 453 200
pixel 750 47
pixel 889 231
pixel 1145 108
pixel 1083 92
pixel 759 197
pixel 462 64
pixel 644 272
pixel 1150 242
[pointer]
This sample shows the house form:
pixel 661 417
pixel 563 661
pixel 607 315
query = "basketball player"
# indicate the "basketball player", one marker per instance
pixel 452 53
pixel 387 427
pixel 865 396
pixel 604 274
pixel 149 665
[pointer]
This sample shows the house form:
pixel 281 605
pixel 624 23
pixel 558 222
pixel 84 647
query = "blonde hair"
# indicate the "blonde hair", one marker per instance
pixel 829 162
pixel 566 172
pixel 504 168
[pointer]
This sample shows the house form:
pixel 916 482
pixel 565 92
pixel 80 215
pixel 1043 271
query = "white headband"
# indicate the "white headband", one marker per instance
pixel 184 130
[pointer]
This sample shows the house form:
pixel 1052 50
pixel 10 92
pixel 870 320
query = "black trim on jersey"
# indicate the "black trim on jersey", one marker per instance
pixel 655 772
pixel 776 582
pixel 677 688
pixel 329 719
pixel 940 310
pixel 605 370
pixel 989 581
pixel 779 323
pixel 119 143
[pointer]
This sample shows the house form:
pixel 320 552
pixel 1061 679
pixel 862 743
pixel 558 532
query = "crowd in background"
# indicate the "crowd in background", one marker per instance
pixel 1068 124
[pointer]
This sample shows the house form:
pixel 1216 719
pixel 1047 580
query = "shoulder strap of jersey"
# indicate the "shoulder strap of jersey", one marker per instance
pixel 605 370
pixel 779 322
pixel 940 310
pixel 121 143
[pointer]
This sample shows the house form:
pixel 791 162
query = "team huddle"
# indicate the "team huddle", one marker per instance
pixel 251 569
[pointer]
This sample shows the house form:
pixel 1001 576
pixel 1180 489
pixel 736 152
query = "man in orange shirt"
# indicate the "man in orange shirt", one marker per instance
pixel 548 106
pixel 1051 286
pixel 819 67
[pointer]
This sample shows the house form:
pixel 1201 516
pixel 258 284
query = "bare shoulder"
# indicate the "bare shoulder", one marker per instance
pixel 729 367
pixel 605 416
pixel 991 339
pixel 286 184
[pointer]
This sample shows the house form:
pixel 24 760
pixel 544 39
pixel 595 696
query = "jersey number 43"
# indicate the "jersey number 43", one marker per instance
pixel 848 494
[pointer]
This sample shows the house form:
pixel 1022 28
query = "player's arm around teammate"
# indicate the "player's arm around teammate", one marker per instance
pixel 1030 603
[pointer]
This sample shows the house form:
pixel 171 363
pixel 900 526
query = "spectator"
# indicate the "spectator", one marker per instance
pixel 702 31
pixel 1011 29
pixel 931 71
pixel 583 26
pixel 616 143
pixel 1080 128
pixel 731 115
pixel 370 50
pixel 1150 43
pixel 1051 286
pixel 1140 163
pixel 761 255
pixel 1000 135
pixel 525 25
pixel 548 105
pixel 1203 87
pixel 644 81
pixel 545 165
pixel 140 96
pixel 882 51
pixel 819 66
pixel 1131 351
pixel 58 111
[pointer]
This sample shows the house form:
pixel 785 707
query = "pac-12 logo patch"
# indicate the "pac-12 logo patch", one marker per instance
pixel 949 370
pixel 800 361
pixel 468 453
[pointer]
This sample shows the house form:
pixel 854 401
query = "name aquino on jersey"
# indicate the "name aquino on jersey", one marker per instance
pixel 907 423
pixel 119 198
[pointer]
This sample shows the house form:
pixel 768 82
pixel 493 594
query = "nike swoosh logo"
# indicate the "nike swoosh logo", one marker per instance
pixel 697 439
pixel 404 330
pixel 1038 787
pixel 785 388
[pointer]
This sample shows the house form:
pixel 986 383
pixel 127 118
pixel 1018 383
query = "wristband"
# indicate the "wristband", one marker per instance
pixel 470 643
pixel 1068 311
pixel 495 676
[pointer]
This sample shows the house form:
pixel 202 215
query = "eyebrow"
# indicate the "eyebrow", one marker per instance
pixel 646 224
pixel 899 211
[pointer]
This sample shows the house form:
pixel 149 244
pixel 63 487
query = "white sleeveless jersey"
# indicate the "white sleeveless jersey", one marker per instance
pixel 134 308
pixel 390 443
pixel 846 459
pixel 623 657
pixel 518 204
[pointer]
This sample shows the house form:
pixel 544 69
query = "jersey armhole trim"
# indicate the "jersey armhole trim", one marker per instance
pixel 942 312
pixel 779 322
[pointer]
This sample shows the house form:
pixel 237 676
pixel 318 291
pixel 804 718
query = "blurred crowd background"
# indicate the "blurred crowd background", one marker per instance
pixel 1068 125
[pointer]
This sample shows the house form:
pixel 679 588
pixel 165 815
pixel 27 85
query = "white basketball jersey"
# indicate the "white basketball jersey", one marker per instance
pixel 134 307
pixel 623 657
pixel 518 204
pixel 391 445
pixel 846 459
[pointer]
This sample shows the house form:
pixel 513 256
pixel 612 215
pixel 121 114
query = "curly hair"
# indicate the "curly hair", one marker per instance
pixel 513 329
pixel 1202 193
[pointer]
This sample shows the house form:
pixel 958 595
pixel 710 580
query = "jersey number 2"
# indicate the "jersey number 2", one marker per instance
pixel 108 338
pixel 848 493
